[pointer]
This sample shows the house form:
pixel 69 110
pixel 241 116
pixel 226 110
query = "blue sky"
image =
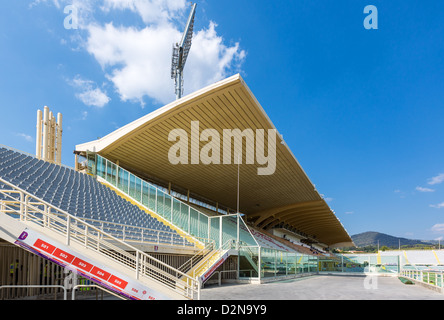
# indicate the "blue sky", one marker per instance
pixel 362 110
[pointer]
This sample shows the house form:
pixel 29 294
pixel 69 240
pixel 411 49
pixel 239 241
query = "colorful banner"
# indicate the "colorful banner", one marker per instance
pixel 88 268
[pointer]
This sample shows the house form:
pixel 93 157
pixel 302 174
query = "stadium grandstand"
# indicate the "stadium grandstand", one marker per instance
pixel 129 221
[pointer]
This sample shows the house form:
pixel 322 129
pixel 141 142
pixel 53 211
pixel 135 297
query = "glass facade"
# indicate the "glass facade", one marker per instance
pixel 220 229
pixel 254 261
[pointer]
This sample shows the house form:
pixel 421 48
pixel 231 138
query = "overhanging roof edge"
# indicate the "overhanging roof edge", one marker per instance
pixel 119 136
pixel 288 149
pixel 105 142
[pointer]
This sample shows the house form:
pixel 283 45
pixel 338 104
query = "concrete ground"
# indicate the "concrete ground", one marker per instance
pixel 323 287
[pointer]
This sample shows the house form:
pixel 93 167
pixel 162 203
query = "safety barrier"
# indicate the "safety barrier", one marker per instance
pixel 428 276
pixel 28 208
pixel 180 214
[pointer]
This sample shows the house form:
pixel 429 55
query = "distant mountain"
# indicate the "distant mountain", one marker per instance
pixel 371 238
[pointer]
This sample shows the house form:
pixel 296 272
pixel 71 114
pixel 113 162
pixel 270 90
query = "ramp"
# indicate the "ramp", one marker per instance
pixel 43 229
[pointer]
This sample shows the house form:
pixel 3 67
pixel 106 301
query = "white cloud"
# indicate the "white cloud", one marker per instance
pixel 439 227
pixel 137 60
pixel 94 97
pixel 151 11
pixel 437 180
pixel 210 60
pixel 25 136
pixel 437 206
pixel 89 95
pixel 37 2
pixel 421 189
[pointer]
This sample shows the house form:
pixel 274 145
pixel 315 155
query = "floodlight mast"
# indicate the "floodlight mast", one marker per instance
pixel 180 54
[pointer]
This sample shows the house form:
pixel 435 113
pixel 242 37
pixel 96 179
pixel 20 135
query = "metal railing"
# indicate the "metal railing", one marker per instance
pixel 211 258
pixel 130 233
pixel 65 294
pixel 29 208
pixel 73 293
pixel 197 258
pixel 185 217
pixel 431 277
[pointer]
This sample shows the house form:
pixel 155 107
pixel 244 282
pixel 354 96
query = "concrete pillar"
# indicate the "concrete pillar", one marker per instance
pixel 59 138
pixel 45 133
pixel 38 143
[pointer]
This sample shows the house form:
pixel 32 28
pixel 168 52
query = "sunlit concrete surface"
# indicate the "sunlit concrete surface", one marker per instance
pixel 323 287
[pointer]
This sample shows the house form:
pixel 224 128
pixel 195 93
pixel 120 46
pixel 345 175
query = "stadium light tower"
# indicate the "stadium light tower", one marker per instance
pixel 180 54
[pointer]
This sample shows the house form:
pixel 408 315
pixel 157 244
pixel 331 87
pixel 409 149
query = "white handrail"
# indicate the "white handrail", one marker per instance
pixel 92 237
pixel 206 261
pixel 418 275
pixel 158 189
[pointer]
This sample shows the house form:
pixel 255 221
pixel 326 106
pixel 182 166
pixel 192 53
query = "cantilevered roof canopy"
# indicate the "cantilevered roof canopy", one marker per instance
pixel 287 196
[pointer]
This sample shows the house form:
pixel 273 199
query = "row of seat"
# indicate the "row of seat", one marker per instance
pixel 76 193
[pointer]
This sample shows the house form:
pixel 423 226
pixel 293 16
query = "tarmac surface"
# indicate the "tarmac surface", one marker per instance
pixel 323 287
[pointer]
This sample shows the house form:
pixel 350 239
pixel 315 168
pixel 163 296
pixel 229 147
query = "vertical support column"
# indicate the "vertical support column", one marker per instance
pixel 59 138
pixel 189 219
pixel 137 264
pixel 237 235
pixel 220 232
pixel 49 137
pixel 68 231
pixel 38 136
pixel 22 205
pixel 45 133
pixel 117 180
pixel 259 264
pixel 210 219
pixel 76 162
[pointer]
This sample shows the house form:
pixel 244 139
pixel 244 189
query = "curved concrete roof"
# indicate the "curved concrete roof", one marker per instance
pixel 287 196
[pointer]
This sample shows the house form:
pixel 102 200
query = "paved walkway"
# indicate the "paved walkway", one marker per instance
pixel 323 287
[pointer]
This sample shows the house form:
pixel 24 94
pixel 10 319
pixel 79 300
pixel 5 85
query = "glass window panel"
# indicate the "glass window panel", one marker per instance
pixel 214 230
pixel 152 200
pixel 124 182
pixel 103 168
pixel 132 185
pixel 184 216
pixel 145 194
pixel 194 227
pixel 248 259
pixel 100 167
pixel 111 173
pixel 268 261
pixel 167 207
pixel 138 189
pixel 291 263
pixel 91 163
pixel 176 212
pixel 160 204
pixel 203 226
pixel 281 263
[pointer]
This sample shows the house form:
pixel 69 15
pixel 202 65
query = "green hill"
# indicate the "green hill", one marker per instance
pixel 371 238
